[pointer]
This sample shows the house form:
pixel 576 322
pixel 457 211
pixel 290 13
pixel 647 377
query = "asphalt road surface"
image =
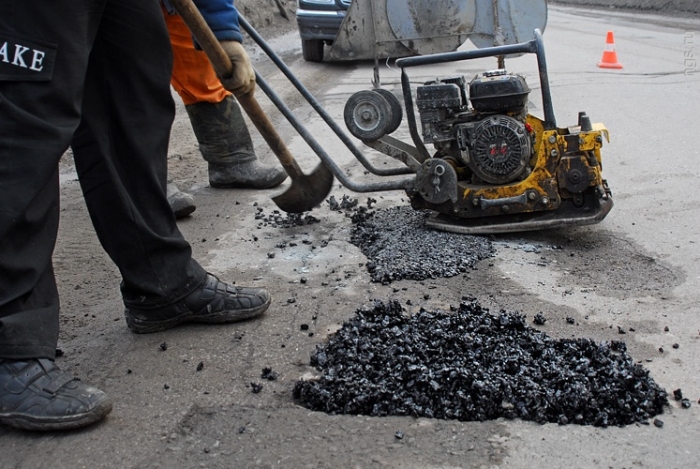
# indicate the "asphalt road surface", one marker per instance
pixel 638 271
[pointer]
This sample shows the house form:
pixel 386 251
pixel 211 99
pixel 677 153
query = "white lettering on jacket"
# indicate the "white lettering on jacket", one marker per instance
pixel 18 60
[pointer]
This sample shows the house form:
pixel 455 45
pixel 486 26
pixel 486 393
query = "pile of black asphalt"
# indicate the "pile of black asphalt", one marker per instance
pixel 471 365
pixel 399 246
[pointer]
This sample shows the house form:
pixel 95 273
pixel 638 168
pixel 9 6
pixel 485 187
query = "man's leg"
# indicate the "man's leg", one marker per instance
pixel 120 152
pixel 39 112
pixel 40 92
pixel 216 118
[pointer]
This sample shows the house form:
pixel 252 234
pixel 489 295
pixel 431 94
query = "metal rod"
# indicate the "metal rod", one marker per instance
pixel 524 47
pixel 411 117
pixel 497 35
pixel 550 122
pixel 375 80
pixel 317 106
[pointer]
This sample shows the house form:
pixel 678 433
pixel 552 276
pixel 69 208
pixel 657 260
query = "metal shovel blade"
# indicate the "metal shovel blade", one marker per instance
pixel 306 191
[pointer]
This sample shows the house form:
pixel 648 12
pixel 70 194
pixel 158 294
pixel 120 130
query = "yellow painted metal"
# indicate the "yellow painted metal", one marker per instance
pixel 549 146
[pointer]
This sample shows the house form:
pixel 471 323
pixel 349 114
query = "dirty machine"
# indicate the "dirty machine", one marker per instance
pixel 493 166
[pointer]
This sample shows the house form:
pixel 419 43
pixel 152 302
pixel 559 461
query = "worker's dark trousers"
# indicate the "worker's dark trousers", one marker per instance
pixel 94 75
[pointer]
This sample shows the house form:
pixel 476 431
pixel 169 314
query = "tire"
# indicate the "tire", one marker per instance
pixel 312 50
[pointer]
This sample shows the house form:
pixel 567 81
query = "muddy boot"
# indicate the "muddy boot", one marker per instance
pixel 181 203
pixel 226 145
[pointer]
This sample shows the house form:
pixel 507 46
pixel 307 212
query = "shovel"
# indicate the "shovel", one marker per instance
pixel 305 192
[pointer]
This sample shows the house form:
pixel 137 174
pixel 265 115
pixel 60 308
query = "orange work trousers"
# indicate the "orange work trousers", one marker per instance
pixel 193 76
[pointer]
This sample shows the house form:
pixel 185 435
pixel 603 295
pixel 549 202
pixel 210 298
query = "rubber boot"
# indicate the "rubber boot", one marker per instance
pixel 226 145
pixel 181 203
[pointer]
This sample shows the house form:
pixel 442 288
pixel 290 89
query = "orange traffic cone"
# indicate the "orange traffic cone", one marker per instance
pixel 609 55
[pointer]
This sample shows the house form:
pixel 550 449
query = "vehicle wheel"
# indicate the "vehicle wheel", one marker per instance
pixel 312 50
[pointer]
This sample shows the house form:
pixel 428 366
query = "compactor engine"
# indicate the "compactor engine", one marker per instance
pixel 489 142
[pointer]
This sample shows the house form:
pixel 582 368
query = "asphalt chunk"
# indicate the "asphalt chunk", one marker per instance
pixel 256 387
pixel 268 374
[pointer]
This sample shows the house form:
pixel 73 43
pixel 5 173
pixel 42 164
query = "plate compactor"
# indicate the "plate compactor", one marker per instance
pixel 495 167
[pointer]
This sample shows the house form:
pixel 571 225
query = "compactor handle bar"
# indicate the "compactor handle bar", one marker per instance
pixel 536 46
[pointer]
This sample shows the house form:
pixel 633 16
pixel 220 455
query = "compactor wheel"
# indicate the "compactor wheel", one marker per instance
pixel 368 115
pixel 396 109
